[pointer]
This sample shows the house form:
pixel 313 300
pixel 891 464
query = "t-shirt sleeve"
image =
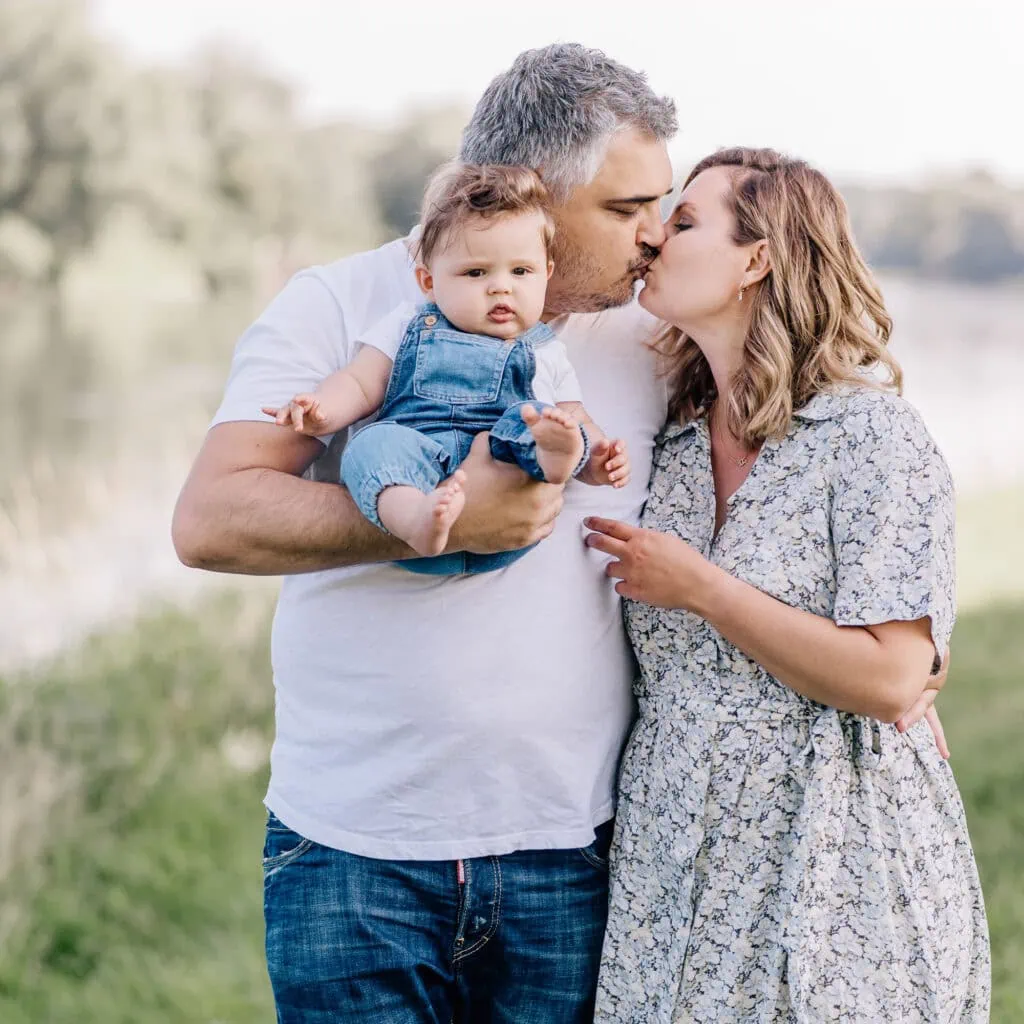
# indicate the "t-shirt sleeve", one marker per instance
pixel 893 521
pixel 387 333
pixel 567 386
pixel 297 341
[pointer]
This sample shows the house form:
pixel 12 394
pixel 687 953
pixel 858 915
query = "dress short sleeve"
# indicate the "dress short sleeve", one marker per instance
pixel 892 520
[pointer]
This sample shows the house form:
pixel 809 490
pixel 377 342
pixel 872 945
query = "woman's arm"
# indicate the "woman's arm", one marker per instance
pixel 878 671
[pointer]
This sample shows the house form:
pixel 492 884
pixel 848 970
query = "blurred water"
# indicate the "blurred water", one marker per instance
pixel 93 452
pixel 962 352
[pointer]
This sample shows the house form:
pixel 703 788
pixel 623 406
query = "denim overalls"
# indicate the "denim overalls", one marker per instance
pixel 447 386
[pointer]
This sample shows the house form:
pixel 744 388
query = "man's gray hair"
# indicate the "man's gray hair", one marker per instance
pixel 557 108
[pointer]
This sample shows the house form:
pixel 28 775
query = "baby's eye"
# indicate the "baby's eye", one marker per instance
pixel 475 272
pixel 521 271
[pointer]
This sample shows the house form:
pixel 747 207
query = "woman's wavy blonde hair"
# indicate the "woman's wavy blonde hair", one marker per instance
pixel 818 317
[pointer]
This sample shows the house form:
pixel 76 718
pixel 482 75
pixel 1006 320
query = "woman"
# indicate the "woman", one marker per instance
pixel 783 851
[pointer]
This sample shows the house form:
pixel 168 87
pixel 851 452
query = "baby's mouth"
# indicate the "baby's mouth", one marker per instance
pixel 501 313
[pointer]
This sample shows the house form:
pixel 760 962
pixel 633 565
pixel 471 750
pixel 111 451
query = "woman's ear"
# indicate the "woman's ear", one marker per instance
pixel 424 279
pixel 758 264
pixel 551 268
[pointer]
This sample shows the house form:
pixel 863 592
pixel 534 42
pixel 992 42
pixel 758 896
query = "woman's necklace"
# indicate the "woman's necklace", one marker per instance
pixel 739 463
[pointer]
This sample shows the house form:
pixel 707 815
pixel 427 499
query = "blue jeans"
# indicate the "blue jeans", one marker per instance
pixel 515 940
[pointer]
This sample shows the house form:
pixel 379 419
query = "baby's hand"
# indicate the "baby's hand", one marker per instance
pixel 304 414
pixel 609 463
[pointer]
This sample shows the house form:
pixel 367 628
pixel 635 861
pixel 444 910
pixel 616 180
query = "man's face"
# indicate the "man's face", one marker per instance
pixel 608 232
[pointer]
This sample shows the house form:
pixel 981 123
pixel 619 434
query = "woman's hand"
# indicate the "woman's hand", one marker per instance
pixel 924 706
pixel 653 567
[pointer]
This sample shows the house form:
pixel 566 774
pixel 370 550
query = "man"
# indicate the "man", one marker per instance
pixel 443 771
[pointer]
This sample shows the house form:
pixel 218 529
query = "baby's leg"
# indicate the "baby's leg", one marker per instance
pixel 545 441
pixel 396 476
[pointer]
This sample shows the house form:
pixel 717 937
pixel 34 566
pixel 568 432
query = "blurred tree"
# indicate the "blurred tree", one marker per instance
pixel 215 165
pixel 62 132
pixel 419 145
pixel 982 247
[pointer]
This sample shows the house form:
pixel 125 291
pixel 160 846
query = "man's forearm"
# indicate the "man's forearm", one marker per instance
pixel 264 522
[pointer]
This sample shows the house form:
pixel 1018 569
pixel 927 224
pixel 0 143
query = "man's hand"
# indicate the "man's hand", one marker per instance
pixel 923 707
pixel 505 509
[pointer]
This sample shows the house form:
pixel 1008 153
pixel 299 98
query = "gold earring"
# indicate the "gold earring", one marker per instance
pixel 741 294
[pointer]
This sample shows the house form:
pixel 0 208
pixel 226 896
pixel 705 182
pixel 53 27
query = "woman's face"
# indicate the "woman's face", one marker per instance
pixel 697 276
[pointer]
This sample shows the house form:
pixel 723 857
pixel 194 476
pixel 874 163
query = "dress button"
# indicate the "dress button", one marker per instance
pixel 430 320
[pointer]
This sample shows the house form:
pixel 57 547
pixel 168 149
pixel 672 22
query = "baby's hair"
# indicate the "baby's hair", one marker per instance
pixel 458 192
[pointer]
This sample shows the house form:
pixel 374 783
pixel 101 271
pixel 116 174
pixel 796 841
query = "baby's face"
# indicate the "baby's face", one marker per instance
pixel 490 275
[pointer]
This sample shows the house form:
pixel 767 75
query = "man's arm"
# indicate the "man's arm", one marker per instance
pixel 246 509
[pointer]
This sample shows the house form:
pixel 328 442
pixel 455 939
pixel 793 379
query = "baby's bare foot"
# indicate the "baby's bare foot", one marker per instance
pixel 443 506
pixel 559 441
pixel 423 521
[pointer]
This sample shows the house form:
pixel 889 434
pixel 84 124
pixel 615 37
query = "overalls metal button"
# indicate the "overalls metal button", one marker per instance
pixel 430 320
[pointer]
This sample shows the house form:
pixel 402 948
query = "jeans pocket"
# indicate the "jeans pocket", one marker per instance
pixel 596 854
pixel 282 845
pixel 454 368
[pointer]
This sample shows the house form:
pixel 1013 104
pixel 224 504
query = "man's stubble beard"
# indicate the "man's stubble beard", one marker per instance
pixel 575 269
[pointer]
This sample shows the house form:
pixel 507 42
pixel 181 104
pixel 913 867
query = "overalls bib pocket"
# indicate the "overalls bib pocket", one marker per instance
pixel 460 370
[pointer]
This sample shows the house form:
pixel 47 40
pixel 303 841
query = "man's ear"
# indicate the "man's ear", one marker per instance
pixel 759 263
pixel 551 268
pixel 424 279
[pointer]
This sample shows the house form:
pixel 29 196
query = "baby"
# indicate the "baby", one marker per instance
pixel 475 357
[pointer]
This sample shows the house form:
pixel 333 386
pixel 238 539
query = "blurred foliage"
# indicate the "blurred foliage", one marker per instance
pixel 214 155
pixel 969 228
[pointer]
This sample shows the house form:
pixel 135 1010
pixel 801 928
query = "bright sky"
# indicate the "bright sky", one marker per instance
pixel 876 88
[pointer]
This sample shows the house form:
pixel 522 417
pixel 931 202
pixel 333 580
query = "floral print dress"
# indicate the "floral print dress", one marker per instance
pixel 776 860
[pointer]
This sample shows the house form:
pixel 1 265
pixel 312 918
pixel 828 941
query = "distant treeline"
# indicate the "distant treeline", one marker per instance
pixel 216 158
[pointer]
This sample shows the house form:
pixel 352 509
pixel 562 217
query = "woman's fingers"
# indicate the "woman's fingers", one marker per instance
pixel 924 708
pixel 616 570
pixel 938 732
pixel 609 545
pixel 917 710
pixel 610 527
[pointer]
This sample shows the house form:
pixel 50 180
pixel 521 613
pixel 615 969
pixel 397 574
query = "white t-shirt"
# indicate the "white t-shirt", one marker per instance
pixel 432 717
pixel 554 380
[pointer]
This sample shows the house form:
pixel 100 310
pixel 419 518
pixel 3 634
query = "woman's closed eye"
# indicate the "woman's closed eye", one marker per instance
pixel 682 225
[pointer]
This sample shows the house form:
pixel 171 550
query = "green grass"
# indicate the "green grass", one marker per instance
pixel 142 901
pixel 135 892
